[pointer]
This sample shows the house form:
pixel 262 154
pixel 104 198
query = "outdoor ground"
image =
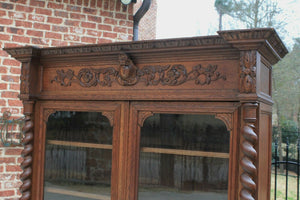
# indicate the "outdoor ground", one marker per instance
pixel 281 185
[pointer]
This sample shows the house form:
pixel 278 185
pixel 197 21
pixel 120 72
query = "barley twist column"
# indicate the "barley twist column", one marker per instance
pixel 248 153
pixel 27 152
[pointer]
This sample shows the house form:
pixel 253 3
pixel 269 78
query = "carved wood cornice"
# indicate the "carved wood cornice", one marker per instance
pixel 128 74
pixel 47 113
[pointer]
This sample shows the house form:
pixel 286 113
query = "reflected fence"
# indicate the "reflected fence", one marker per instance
pixel 285 169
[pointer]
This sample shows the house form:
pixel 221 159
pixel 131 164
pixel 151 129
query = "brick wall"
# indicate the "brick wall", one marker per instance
pixel 47 23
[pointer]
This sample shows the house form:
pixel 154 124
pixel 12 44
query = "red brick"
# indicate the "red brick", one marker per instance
pixel 89 40
pixel 7 6
pixel 19 1
pixel 15 103
pixel 53 35
pixel 61 14
pixel 79 2
pixel 7 193
pixel 7 160
pixel 57 43
pixel 60 29
pixel 11 62
pixel 2 103
pixel 3 86
pixel 86 2
pixel 20 160
pixel 103 40
pixel 36 18
pixel 106 14
pixel 54 20
pixel 22 8
pixel 17 15
pixel 6 21
pixel 9 78
pixel 12 185
pixel 120 30
pixel 34 33
pixel 77 30
pixel 1 168
pixel 120 16
pixel 37 3
pixel 14 87
pixel 72 23
pixel 110 35
pixel 2 13
pixel 90 11
pixel 43 11
pixel 18 31
pixel 8 94
pixel 93 3
pixel 13 151
pixel 99 3
pixel 55 5
pixel 104 27
pixel 3 70
pixel 20 39
pixel 77 16
pixel 94 33
pixel 9 45
pixel 25 24
pixel 71 37
pixel 41 26
pixel 15 70
pixel 73 8
pixel 40 41
pixel 13 168
pixel 14 111
pixel 88 25
pixel 4 37
pixel 95 19
pixel 110 21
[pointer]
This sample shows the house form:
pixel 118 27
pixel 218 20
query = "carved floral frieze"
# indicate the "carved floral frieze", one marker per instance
pixel 248 72
pixel 128 74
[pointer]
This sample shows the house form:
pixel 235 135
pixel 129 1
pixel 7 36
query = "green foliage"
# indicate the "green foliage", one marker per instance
pixel 286 87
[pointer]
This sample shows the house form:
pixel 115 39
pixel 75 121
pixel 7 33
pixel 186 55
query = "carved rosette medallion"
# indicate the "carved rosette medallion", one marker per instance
pixel 248 153
pixel 248 72
pixel 129 74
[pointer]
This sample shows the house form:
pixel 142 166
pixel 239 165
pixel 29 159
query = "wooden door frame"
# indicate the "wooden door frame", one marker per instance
pixel 228 112
pixel 115 111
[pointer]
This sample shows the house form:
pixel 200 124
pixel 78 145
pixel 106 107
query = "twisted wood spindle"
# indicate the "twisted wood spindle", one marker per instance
pixel 27 153
pixel 249 154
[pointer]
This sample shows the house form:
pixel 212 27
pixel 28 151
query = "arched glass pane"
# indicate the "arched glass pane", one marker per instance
pixel 183 157
pixel 78 156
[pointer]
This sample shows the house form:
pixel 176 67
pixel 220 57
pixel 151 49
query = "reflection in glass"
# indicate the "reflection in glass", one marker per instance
pixel 183 157
pixel 78 156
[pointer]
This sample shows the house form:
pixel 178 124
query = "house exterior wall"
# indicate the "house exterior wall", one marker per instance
pixel 46 24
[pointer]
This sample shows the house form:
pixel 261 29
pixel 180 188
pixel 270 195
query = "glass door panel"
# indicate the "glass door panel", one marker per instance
pixel 183 156
pixel 78 156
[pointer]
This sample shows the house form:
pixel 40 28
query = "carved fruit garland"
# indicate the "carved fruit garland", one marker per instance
pixel 128 74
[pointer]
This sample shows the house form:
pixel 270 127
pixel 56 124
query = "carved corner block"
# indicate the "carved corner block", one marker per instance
pixel 248 72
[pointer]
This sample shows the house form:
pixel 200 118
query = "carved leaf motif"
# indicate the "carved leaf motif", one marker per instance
pixel 226 118
pixel 143 115
pixel 171 75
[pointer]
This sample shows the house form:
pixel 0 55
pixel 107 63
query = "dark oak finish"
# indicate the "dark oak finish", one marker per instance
pixel 227 75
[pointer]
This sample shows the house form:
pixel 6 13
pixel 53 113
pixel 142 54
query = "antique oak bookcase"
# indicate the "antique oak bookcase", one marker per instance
pixel 174 119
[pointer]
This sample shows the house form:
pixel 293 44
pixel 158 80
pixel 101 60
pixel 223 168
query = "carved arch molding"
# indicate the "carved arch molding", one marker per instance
pixel 108 114
pixel 227 118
